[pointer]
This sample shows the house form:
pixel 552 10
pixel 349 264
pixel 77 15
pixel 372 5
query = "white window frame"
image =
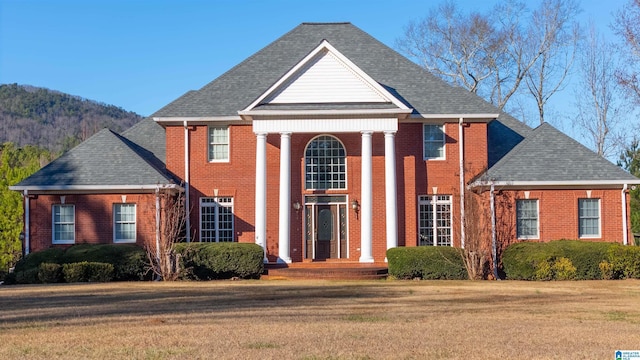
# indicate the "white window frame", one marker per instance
pixel 425 141
pixel 54 224
pixel 436 200
pixel 580 218
pixel 317 172
pixel 121 222
pixel 211 144
pixel 216 203
pixel 537 219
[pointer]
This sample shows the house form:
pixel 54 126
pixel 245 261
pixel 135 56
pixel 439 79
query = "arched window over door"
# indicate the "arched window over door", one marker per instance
pixel 325 164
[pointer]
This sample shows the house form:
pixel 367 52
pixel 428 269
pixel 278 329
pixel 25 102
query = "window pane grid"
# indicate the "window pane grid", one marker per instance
pixel 435 220
pixel 124 222
pixel 63 223
pixel 216 219
pixel 527 218
pixel 325 164
pixel 218 143
pixel 433 136
pixel 589 217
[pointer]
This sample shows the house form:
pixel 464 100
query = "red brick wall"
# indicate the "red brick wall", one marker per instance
pixel 93 218
pixel 237 178
pixel 558 214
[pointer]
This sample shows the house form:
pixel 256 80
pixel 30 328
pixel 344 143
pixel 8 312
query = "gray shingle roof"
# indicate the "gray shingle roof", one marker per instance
pixel 105 159
pixel 240 86
pixel 547 154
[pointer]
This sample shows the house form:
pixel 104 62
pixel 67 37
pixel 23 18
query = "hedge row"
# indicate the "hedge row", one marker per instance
pixel 208 261
pixel 570 259
pixel 426 262
pixel 127 262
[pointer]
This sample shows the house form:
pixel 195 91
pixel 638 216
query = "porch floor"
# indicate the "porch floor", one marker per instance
pixel 328 270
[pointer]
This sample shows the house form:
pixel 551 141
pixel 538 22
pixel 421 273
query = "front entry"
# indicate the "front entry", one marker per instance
pixel 326 227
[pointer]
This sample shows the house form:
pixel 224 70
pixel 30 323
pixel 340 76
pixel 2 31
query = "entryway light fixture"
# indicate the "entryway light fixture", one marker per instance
pixel 355 206
pixel 296 205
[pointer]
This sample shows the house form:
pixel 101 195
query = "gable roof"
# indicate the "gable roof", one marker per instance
pixel 105 161
pixel 547 156
pixel 239 87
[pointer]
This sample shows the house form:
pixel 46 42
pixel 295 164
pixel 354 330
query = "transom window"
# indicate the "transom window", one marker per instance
pixel 435 220
pixel 216 219
pixel 218 143
pixel 527 218
pixel 434 140
pixel 589 218
pixel 124 223
pixel 325 164
pixel 64 224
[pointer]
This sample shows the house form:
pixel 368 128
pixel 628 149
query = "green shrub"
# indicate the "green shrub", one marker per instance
pixel 87 272
pixel 207 261
pixel 34 259
pixel 128 260
pixel 607 270
pixel 524 260
pixel 28 276
pixel 50 273
pixel 624 262
pixel 563 269
pixel 544 271
pixel 426 262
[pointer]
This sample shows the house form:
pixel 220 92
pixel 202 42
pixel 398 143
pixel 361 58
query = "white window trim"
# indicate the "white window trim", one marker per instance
pixel 444 143
pixel 216 205
pixel 591 236
pixel 135 223
pixel 209 144
pixel 537 235
pixel 53 225
pixel 433 199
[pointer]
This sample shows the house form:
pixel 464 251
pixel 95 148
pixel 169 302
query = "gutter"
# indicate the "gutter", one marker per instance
pixel 625 230
pixel 186 182
pixel 462 192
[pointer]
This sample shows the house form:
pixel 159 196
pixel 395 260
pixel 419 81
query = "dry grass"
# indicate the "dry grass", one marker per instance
pixel 321 320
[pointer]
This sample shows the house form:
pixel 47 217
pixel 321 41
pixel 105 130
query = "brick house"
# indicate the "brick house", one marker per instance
pixel 329 145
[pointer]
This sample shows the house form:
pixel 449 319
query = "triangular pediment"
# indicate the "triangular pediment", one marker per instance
pixel 325 76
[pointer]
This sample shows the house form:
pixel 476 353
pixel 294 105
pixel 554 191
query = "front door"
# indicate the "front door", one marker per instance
pixel 326 236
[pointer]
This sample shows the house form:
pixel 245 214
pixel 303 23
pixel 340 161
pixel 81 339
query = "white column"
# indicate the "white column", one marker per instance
pixel 390 189
pixel 261 192
pixel 366 207
pixel 285 198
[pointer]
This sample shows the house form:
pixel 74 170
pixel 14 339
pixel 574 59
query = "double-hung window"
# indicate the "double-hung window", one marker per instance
pixel 527 219
pixel 589 218
pixel 434 220
pixel 64 224
pixel 433 141
pixel 124 223
pixel 216 219
pixel 218 143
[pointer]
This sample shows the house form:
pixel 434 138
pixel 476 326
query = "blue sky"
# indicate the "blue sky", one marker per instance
pixel 141 55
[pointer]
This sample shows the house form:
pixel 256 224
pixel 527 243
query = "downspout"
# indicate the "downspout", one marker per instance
pixel 158 224
pixel 186 182
pixel 27 216
pixel 494 248
pixel 625 230
pixel 462 190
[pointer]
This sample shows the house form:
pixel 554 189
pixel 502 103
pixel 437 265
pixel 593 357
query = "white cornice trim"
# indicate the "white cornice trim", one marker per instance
pixel 96 188
pixel 317 113
pixel 555 184
pixel 325 45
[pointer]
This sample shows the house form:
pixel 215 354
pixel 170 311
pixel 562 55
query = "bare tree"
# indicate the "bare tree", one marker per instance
pixel 171 221
pixel 488 57
pixel 553 20
pixel 477 225
pixel 597 96
pixel 627 26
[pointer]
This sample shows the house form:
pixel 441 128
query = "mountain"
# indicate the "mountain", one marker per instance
pixel 54 120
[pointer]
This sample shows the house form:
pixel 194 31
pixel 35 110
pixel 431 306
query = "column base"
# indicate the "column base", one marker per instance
pixel 284 261
pixel 367 259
